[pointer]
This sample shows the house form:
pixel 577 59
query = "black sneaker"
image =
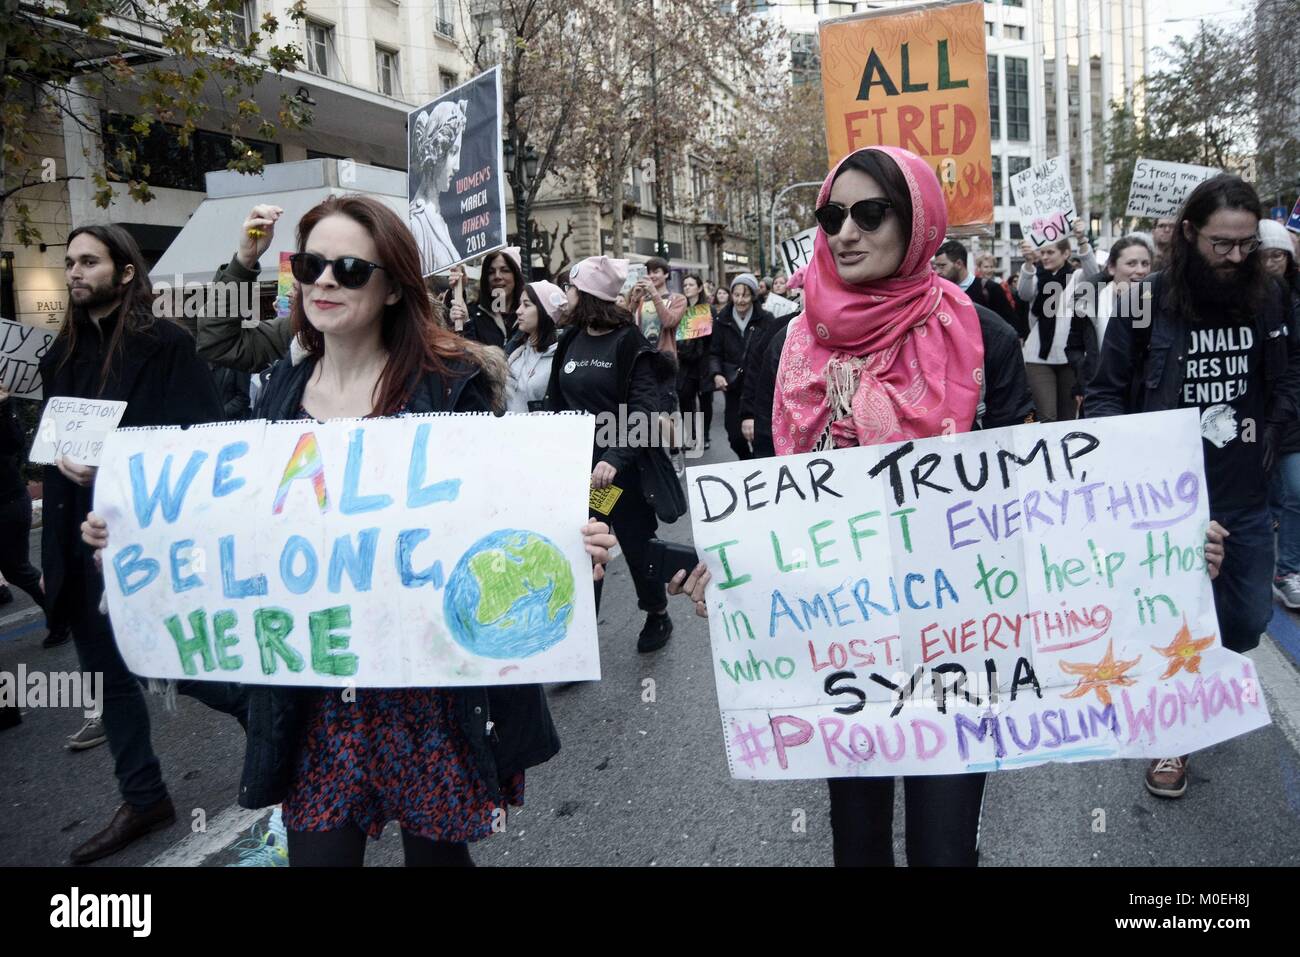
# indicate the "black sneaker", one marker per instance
pixel 655 633
pixel 6 596
pixel 56 638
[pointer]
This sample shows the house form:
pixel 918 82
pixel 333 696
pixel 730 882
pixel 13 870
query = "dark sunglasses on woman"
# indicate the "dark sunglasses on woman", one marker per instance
pixel 868 214
pixel 350 272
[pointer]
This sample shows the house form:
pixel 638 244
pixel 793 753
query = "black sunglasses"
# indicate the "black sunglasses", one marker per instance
pixel 868 214
pixel 350 272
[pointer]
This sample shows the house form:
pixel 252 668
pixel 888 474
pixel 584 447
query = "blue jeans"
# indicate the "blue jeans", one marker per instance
pixel 1243 591
pixel 1286 501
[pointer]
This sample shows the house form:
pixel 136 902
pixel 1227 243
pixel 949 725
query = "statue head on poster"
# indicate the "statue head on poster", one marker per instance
pixel 436 146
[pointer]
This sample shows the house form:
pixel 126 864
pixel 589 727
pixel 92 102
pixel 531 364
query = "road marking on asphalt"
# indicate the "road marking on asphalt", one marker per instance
pixel 222 831
pixel 1281 682
pixel 20 623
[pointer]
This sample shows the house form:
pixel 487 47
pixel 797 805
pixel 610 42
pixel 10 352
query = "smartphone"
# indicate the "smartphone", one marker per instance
pixel 666 559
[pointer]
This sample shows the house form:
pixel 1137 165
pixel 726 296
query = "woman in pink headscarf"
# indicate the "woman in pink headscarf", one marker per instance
pixel 886 351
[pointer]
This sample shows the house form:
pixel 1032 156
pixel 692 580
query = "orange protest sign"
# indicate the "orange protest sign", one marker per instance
pixel 919 80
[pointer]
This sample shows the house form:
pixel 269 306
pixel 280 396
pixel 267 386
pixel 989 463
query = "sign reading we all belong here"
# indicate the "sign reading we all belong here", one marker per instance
pixel 375 553
pixel 974 602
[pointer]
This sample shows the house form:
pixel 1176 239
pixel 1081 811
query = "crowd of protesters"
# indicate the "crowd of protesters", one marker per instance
pixel 796 359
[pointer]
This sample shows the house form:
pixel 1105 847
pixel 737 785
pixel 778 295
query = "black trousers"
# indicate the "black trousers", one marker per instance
pixel 731 418
pixel 125 713
pixel 690 389
pixel 634 523
pixel 15 563
pixel 943 820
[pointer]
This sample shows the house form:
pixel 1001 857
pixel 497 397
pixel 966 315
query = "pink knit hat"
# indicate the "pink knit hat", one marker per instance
pixel 550 295
pixel 600 276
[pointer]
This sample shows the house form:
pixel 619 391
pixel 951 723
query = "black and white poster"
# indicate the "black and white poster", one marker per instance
pixel 454 175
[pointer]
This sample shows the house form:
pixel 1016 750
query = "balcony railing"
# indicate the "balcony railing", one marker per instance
pixel 445 28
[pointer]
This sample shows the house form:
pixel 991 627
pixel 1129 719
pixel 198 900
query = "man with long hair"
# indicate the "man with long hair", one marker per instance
pixel 1210 333
pixel 111 346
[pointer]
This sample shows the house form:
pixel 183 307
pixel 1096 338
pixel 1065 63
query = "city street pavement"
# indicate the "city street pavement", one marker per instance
pixel 642 778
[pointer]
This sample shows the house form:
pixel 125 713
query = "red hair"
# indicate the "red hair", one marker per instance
pixel 416 341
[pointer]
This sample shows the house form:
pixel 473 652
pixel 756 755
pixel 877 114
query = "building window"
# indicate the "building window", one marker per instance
pixel 995 123
pixel 1017 98
pixel 319 40
pixel 446 80
pixel 171 165
pixel 386 65
pixel 243 22
pixel 442 20
pixel 1012 32
pixel 997 180
pixel 990 28
pixel 1015 230
pixel 1013 3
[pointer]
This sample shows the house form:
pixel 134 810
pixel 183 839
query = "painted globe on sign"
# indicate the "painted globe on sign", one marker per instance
pixel 510 595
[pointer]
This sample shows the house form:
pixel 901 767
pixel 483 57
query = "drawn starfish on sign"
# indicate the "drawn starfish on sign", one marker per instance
pixel 1100 676
pixel 1185 652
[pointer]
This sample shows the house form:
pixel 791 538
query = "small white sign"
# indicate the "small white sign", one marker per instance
pixel 75 429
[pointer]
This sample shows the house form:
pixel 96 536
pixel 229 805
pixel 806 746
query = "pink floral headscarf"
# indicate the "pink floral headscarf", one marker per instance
pixel 890 360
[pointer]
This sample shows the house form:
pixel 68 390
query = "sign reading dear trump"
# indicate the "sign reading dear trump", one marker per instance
pixel 968 603
pixel 403 552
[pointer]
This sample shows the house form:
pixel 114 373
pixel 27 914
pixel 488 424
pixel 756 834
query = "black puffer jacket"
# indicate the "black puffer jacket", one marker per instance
pixel 508 727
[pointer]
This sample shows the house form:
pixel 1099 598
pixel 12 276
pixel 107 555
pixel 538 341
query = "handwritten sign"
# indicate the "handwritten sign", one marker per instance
pixel 75 429
pixel 916 79
pixel 1046 204
pixel 696 323
pixel 779 306
pixel 798 250
pixel 21 349
pixel 968 603
pixel 1159 188
pixel 374 553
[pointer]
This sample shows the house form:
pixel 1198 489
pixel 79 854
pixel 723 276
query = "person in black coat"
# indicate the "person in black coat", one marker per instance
pixel 441 762
pixel 604 366
pixel 233 390
pixel 490 320
pixel 739 323
pixel 950 263
pixel 111 346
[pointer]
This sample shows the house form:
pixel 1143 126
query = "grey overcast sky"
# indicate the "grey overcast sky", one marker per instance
pixel 1170 18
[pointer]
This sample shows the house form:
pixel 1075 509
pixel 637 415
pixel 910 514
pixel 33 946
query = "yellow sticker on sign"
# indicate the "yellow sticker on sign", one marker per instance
pixel 603 499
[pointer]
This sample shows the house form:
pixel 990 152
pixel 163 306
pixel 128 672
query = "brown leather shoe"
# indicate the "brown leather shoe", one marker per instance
pixel 128 825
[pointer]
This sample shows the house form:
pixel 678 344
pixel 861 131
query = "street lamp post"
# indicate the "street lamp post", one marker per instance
pixel 776 263
pixel 521 179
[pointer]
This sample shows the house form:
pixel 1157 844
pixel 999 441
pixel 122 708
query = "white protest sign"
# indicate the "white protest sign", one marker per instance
pixel 968 603
pixel 797 250
pixel 1042 193
pixel 779 306
pixel 75 429
pixel 1159 188
pixel 21 349
pixel 387 553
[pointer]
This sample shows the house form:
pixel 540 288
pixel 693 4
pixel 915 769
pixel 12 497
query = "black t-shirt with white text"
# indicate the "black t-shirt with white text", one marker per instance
pixel 588 379
pixel 1223 377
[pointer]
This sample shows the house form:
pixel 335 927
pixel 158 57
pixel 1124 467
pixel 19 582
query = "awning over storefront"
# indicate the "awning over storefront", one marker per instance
pixel 210 238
